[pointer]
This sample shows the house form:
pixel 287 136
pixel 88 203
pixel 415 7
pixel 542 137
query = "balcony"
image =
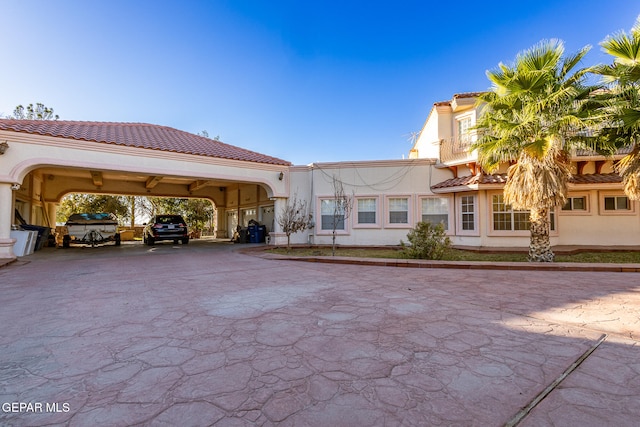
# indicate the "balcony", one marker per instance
pixel 585 152
pixel 456 150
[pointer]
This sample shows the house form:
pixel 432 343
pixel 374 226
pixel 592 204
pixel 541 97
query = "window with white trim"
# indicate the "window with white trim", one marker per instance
pixel 329 214
pixel 464 132
pixel 468 213
pixel 616 203
pixel 505 218
pixel 436 210
pixel 398 210
pixel 576 204
pixel 367 210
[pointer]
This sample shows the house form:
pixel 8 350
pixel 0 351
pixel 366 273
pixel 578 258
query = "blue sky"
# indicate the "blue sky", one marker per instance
pixel 306 81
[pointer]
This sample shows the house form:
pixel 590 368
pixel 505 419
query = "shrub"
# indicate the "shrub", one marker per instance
pixel 426 241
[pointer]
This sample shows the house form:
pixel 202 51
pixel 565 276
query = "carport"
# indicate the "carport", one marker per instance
pixel 41 161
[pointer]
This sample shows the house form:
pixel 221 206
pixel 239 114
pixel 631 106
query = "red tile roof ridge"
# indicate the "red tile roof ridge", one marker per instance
pixel 139 135
pixel 468 94
pixel 459 95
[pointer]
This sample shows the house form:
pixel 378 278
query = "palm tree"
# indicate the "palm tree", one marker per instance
pixel 620 109
pixel 532 117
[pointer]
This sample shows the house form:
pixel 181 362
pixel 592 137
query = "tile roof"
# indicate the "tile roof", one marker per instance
pixel 459 95
pixel 472 180
pixel 594 178
pixel 139 135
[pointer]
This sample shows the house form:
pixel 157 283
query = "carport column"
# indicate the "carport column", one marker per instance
pixel 52 210
pixel 277 237
pixel 221 223
pixel 6 216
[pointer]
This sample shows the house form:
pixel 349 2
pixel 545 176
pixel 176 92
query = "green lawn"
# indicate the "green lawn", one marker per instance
pixel 460 255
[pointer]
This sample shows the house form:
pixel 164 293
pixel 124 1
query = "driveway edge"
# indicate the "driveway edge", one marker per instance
pixel 468 265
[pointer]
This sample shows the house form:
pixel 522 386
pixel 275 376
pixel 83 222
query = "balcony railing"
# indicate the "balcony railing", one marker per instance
pixel 585 152
pixel 458 150
pixel 454 150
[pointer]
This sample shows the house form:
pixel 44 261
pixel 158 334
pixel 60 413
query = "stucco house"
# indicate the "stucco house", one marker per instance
pixel 440 181
pixel 597 213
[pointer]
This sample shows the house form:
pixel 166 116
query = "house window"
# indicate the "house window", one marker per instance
pixel 398 210
pixel 468 213
pixel 616 203
pixel 575 204
pixel 464 132
pixel 436 210
pixel 505 218
pixel 367 208
pixel 329 214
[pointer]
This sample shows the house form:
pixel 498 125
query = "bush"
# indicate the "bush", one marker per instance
pixel 426 241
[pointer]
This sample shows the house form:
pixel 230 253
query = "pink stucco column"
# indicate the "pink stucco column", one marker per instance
pixel 277 236
pixel 6 204
pixel 221 223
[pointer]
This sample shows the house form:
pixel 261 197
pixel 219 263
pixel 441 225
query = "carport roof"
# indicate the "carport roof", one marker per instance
pixel 139 135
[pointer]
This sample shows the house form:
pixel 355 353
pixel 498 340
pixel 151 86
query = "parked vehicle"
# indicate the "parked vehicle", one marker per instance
pixel 91 229
pixel 166 227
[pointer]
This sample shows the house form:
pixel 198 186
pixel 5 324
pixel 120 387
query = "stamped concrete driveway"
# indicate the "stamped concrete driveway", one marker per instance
pixel 203 335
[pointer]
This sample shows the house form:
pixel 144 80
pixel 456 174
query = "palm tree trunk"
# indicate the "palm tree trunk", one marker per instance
pixel 540 244
pixel 132 206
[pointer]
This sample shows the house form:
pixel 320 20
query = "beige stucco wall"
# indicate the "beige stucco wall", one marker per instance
pixel 597 226
pixel 374 179
pixel 428 143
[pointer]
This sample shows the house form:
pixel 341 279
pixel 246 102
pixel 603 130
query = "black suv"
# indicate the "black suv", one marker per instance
pixel 166 227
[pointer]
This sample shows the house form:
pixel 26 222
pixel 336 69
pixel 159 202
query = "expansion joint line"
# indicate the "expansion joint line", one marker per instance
pixel 544 393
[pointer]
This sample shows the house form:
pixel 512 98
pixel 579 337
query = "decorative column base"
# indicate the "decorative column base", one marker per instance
pixel 277 239
pixel 6 249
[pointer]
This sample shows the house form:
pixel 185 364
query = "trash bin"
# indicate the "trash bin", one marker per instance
pixel 262 232
pixel 244 236
pixel 253 234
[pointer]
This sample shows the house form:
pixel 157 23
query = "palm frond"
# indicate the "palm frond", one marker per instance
pixel 536 183
pixel 629 168
pixel 572 61
pixel 623 47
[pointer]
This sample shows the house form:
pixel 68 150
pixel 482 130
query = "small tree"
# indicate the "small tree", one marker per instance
pixel 198 212
pixel 427 241
pixel 206 135
pixel 39 112
pixel 294 218
pixel 342 207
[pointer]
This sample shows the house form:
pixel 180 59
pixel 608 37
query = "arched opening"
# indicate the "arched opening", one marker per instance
pixel 135 212
pixel 45 190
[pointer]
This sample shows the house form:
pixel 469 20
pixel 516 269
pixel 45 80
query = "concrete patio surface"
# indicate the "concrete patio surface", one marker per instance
pixel 202 334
